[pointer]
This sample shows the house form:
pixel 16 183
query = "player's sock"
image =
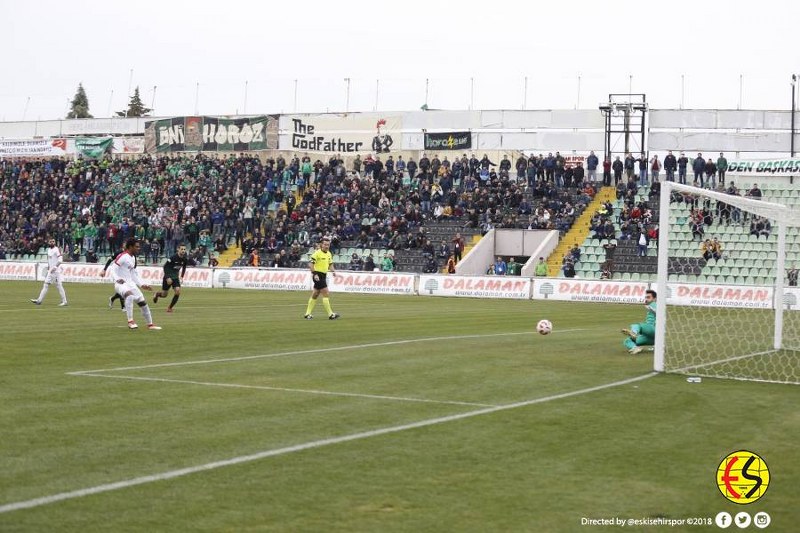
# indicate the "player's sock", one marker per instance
pixel 174 300
pixel 311 303
pixel 148 316
pixel 327 304
pixel 129 307
pixel 42 294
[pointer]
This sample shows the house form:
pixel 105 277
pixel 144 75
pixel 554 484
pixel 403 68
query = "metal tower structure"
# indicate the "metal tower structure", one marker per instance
pixel 626 125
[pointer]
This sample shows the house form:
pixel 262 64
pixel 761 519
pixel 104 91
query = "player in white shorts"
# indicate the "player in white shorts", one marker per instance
pixel 54 274
pixel 127 284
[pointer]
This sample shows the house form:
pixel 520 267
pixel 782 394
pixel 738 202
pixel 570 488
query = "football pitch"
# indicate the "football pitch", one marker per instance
pixel 407 414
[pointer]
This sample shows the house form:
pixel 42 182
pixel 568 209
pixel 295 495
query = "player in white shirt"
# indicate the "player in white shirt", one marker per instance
pixel 127 284
pixel 54 274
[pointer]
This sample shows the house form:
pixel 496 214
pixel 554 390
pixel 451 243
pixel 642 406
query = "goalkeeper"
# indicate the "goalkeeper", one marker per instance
pixel 643 334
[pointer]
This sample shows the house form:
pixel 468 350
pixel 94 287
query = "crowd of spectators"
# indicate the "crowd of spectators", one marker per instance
pixel 275 206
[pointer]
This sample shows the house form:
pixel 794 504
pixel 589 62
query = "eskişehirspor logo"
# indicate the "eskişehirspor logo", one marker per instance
pixel 743 477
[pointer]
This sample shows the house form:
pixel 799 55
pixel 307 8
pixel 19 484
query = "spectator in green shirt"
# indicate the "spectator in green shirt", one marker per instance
pixel 513 268
pixel 722 167
pixel 541 268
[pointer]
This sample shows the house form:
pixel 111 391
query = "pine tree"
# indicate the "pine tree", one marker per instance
pixel 79 108
pixel 136 107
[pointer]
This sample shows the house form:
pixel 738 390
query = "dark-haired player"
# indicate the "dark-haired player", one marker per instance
pixel 114 296
pixel 643 334
pixel 174 270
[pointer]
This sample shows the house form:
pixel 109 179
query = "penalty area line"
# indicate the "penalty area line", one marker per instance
pixel 172 474
pixel 287 389
pixel 310 351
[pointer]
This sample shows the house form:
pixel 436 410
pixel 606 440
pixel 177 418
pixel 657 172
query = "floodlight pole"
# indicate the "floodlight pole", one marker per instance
pixel 794 90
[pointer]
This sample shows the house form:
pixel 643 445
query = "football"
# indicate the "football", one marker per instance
pixel 544 327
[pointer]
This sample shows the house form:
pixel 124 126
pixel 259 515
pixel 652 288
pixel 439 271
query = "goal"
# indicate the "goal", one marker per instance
pixel 728 307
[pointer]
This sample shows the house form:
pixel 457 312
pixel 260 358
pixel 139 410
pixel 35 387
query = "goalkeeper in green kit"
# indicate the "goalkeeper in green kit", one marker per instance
pixel 643 334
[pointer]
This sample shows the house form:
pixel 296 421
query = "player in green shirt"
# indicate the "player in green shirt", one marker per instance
pixel 643 334
pixel 321 262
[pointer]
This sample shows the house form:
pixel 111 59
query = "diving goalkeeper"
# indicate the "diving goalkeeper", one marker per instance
pixel 643 334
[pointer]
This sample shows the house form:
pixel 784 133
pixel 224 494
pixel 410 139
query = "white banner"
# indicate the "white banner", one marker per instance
pixel 764 167
pixel 587 290
pixel 10 270
pixel 719 295
pixel 195 276
pixel 372 282
pixel 475 286
pixel 346 133
pixel 33 147
pixel 150 275
pixel 271 280
pixel 129 145
pixel 77 272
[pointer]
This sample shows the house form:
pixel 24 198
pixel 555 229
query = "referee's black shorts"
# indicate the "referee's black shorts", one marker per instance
pixel 320 281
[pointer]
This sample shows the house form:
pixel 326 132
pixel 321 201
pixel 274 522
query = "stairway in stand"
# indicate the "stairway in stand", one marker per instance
pixel 579 230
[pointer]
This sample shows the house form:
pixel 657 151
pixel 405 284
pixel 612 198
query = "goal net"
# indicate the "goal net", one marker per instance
pixel 728 306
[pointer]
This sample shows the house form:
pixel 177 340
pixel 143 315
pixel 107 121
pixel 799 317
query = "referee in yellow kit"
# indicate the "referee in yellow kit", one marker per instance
pixel 321 263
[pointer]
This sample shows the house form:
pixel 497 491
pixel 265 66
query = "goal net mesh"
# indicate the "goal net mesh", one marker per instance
pixel 727 285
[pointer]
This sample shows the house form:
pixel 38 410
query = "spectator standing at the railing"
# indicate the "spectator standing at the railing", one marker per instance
pixel 591 166
pixel 578 174
pixel 607 172
pixel 630 165
pixel 521 166
pixel 549 167
pixel 791 275
pixel 699 168
pixel 722 167
pixel 642 160
pixel 711 173
pixel 683 162
pixel 618 167
pixel 670 164
pixel 655 167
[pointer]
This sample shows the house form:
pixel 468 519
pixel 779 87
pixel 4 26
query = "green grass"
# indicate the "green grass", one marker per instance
pixel 647 448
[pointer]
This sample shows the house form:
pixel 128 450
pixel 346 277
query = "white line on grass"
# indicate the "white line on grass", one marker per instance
pixel 305 352
pixel 284 389
pixel 37 502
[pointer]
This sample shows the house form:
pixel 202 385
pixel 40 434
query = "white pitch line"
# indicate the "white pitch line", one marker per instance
pixel 285 389
pixel 172 474
pixel 305 352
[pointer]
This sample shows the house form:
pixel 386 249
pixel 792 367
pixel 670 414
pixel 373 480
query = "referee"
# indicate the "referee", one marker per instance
pixel 321 263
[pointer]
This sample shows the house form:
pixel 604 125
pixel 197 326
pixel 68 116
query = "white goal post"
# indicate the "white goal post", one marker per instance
pixel 721 308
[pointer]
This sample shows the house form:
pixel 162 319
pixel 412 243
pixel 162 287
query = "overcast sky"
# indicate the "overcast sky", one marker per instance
pixel 258 49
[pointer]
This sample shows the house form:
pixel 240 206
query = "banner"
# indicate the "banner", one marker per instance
pixel 10 270
pixel 372 282
pixel 129 145
pixel 211 134
pixel 475 286
pixel 764 167
pixel 579 290
pixel 457 140
pixel 341 133
pixel 720 295
pixel 33 147
pixel 271 280
pixel 93 147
